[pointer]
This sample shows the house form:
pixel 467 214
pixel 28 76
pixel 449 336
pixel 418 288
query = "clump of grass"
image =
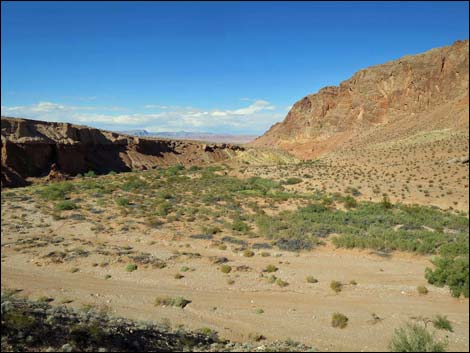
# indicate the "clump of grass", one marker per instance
pixel 415 338
pixel 184 269
pixel 65 205
pixel 272 279
pixel 311 279
pixel 339 320
pixel 178 276
pixel 107 276
pixel 122 201
pixel 422 290
pixel 226 268
pixel 259 311
pixel 442 323
pixel 248 253
pixel 353 282
pixel 292 181
pixel 270 269
pixel 336 286
pixel 350 202
pixel 178 302
pixel 281 283
pixel 230 281
pixel 74 269
pixel 131 267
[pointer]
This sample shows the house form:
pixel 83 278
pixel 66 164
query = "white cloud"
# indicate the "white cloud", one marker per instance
pixel 254 118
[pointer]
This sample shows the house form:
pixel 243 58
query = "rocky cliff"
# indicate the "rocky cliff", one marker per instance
pixel 416 93
pixel 42 149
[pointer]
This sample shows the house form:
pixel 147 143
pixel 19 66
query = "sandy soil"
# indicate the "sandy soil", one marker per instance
pixel 301 311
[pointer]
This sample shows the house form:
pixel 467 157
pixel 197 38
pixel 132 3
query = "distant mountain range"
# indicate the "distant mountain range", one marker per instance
pixel 198 136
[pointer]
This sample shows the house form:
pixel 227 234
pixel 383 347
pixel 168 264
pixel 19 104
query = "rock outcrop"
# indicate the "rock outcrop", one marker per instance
pixel 38 149
pixel 416 93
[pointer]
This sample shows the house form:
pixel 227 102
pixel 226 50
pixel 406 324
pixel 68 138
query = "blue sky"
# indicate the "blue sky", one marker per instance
pixel 231 67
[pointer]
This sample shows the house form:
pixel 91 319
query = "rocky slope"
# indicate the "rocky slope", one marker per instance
pixel 41 149
pixel 386 102
pixel 32 326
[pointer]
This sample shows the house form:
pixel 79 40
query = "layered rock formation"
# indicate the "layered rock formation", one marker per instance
pixel 38 149
pixel 415 93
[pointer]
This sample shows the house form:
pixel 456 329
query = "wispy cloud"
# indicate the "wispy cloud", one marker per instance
pixel 253 118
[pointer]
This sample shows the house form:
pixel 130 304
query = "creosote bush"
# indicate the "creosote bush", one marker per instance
pixel 339 320
pixel 415 338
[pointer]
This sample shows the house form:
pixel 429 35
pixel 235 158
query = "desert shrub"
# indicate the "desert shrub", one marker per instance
pixel 178 302
pixel 281 283
pixel 259 311
pixel 292 181
pixel 65 205
pixel 453 272
pixel 225 268
pixel 442 323
pixel 294 244
pixel 208 332
pixel 311 279
pixel 353 282
pixel 336 286
pixel 233 240
pixel 386 202
pixel 248 253
pixel 211 230
pixel 240 226
pixel 349 202
pixel 131 267
pixel 133 184
pixel 178 276
pixel 422 290
pixel 163 209
pixel 90 174
pixel 122 201
pixel 270 269
pixel 339 320
pixel 174 170
pixel 56 191
pixel 415 338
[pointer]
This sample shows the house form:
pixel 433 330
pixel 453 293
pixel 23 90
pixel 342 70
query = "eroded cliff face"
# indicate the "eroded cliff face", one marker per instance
pixel 41 149
pixel 415 93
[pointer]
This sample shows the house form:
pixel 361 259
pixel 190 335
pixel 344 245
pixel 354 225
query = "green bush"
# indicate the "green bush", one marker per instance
pixel 56 191
pixel 442 323
pixel 90 174
pixel 350 202
pixel 281 283
pixel 131 267
pixel 270 269
pixel 414 338
pixel 65 205
pixel 292 181
pixel 240 226
pixel 225 268
pixel 453 272
pixel 122 201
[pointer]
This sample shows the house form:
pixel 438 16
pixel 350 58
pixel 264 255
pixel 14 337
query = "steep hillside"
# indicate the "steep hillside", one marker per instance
pixel 37 149
pixel 398 99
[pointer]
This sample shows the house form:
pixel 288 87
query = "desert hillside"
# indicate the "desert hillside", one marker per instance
pixel 383 103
